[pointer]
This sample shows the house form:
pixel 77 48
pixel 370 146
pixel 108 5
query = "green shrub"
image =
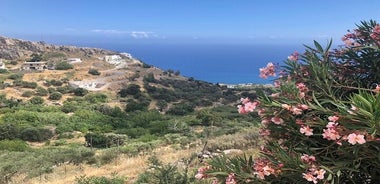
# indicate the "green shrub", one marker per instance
pixel 40 91
pixel 63 66
pixel 27 93
pixel 321 124
pixel 36 100
pixel 96 98
pixel 36 134
pixel 165 173
pixel 3 70
pixel 55 96
pixel 16 76
pixel 13 145
pixel 181 109
pixel 99 140
pixel 80 91
pixel 9 131
pixel 100 180
pixel 133 105
pixel 107 156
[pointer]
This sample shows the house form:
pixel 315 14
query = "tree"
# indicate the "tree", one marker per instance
pixel 35 58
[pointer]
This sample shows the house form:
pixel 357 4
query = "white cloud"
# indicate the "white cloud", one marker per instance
pixel 141 34
pixel 134 34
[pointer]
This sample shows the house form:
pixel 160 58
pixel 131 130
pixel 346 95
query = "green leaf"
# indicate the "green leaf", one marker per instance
pixel 318 46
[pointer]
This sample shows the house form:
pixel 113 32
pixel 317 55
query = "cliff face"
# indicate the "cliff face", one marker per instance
pixel 13 49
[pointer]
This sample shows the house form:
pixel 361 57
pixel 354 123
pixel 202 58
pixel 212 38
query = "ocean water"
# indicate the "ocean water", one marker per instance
pixel 223 63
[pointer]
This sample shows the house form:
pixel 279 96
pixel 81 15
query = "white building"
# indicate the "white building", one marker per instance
pixel 127 55
pixel 113 59
pixel 74 60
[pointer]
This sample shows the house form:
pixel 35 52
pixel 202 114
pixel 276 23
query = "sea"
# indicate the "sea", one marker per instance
pixel 214 63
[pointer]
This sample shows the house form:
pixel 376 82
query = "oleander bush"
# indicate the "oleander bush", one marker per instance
pixel 321 124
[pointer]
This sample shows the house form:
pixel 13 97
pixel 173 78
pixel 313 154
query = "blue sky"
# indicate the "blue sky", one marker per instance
pixel 183 21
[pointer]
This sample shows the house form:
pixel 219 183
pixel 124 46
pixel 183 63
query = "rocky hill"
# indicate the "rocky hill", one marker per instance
pixel 15 49
pixel 125 80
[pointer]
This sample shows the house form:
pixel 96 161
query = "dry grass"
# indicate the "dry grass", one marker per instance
pixel 130 167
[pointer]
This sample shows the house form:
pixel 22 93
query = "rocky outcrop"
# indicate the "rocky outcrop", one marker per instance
pixel 13 49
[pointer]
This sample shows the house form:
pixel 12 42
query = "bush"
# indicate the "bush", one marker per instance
pixel 321 123
pixel 55 96
pixel 9 131
pixel 3 70
pixel 96 98
pixel 164 174
pixel 133 105
pixel 93 72
pixel 80 91
pixel 15 76
pixel 36 134
pixel 36 100
pixel 181 109
pixel 27 94
pixel 100 180
pixel 40 91
pixel 64 66
pixel 131 89
pixel 13 145
pixel 98 140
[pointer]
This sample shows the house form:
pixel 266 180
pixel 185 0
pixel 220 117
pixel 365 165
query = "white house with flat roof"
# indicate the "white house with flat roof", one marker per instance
pixel 74 60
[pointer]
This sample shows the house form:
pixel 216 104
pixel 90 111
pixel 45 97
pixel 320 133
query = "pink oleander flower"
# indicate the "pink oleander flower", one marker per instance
pixel 302 87
pixel 231 179
pixel 306 130
pixel 277 83
pixel 264 132
pixel 269 70
pixel 275 95
pixel 296 110
pixel 247 106
pixel 201 173
pixel 320 174
pixel 308 159
pixel 353 109
pixel 265 122
pixel 330 134
pixel 250 106
pixel 294 56
pixel 356 138
pixel 303 106
pixel 244 100
pixel 215 181
pixel 277 120
pixel 333 118
pixel 241 109
pixel 286 106
pixel 261 112
pixel 299 122
pixel 310 177
pixel 377 89
pixel 263 167
pixel 332 125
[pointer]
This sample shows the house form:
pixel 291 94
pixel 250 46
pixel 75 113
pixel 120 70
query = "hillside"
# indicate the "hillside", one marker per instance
pixel 70 113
